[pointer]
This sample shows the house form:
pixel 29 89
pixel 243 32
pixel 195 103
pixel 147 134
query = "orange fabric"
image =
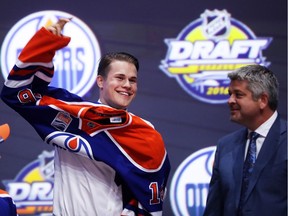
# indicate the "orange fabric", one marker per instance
pixel 138 139
pixel 3 192
pixel 141 142
pixel 40 43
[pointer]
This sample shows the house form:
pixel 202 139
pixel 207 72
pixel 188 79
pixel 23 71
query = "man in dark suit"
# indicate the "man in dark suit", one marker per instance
pixel 251 179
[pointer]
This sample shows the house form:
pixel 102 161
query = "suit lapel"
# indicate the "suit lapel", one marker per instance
pixel 269 146
pixel 238 154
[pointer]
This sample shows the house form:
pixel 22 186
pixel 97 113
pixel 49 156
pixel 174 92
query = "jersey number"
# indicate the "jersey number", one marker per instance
pixel 26 96
pixel 155 193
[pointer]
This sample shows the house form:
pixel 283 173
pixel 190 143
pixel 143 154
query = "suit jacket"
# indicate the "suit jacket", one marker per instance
pixel 267 191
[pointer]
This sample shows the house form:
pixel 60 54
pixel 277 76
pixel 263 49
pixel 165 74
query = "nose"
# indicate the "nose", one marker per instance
pixel 126 83
pixel 231 99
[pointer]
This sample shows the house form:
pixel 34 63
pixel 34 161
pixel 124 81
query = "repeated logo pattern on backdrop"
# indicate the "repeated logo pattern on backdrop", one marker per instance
pixel 75 65
pixel 32 188
pixel 190 183
pixel 75 70
pixel 199 59
pixel 209 48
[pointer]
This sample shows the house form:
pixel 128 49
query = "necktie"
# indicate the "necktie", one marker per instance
pixel 248 165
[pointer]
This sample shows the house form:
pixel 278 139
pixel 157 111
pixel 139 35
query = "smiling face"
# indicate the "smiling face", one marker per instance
pixel 119 88
pixel 243 108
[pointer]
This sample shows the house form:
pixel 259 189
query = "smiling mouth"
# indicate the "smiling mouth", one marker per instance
pixel 233 108
pixel 233 111
pixel 125 93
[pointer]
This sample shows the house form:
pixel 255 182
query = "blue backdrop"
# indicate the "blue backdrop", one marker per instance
pixel 140 27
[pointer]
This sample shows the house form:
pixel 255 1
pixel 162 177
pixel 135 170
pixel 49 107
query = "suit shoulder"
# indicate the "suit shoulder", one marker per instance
pixel 234 135
pixel 283 125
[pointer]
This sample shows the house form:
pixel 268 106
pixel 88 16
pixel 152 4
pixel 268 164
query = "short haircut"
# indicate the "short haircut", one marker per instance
pixel 260 80
pixel 108 58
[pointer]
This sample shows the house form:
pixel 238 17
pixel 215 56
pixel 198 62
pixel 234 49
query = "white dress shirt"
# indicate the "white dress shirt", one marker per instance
pixel 263 131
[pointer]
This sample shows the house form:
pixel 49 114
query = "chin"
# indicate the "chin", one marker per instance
pixel 234 119
pixel 123 106
pixel 237 120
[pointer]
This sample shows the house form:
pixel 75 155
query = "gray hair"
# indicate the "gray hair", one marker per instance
pixel 260 80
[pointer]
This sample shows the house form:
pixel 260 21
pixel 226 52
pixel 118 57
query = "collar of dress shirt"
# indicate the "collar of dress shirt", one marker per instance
pixel 264 128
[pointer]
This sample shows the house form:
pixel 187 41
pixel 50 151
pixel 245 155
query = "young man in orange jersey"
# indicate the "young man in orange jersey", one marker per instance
pixel 107 160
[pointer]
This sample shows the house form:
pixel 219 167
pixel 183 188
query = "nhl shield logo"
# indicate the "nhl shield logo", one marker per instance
pixel 209 48
pixel 216 24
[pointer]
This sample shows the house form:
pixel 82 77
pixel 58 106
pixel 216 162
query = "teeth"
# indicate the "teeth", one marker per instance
pixel 124 93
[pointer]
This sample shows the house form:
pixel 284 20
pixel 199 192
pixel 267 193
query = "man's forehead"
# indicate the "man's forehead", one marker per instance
pixel 238 84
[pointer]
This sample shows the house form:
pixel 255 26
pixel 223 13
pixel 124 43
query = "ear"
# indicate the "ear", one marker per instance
pixel 99 81
pixel 264 101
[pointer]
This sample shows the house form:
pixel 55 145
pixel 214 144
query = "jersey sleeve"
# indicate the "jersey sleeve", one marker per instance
pixel 133 148
pixel 7 205
pixel 31 75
